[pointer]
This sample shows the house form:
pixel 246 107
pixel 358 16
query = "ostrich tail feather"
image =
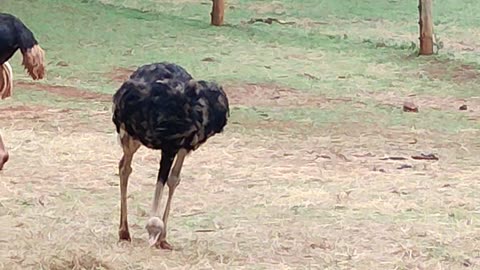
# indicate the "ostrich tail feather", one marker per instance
pixel 33 61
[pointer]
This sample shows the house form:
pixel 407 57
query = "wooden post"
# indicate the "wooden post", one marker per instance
pixel 218 9
pixel 426 27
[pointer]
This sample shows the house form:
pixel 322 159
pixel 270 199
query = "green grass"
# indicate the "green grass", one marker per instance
pixel 99 38
pixel 373 115
pixel 94 39
pixel 396 11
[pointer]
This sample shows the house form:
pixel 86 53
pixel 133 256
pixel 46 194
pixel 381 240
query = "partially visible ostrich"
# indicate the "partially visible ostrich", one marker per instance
pixel 161 107
pixel 14 35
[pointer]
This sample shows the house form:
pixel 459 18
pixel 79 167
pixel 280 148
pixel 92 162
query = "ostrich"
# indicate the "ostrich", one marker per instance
pixel 14 35
pixel 161 107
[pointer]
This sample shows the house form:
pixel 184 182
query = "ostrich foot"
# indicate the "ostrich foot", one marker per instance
pixel 124 235
pixel 163 244
pixel 155 228
pixel 156 231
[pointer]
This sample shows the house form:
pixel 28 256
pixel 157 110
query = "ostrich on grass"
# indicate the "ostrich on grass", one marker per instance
pixel 14 35
pixel 161 107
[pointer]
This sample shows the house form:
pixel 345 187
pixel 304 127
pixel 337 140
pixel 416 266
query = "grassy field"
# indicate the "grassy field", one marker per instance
pixel 299 179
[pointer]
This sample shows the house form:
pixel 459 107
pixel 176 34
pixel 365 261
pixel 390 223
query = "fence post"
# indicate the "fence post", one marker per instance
pixel 218 10
pixel 426 27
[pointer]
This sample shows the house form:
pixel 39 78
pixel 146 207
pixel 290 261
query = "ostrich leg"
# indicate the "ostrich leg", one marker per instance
pixel 173 181
pixel 155 226
pixel 129 146
pixel 3 154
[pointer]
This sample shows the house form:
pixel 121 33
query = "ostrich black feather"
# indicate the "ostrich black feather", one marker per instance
pixel 14 35
pixel 161 106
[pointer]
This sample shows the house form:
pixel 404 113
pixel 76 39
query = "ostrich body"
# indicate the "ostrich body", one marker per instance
pixel 14 35
pixel 161 107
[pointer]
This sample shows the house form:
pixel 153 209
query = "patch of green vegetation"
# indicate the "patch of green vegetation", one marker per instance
pixel 336 48
pixel 380 116
pixel 397 11
pixel 100 38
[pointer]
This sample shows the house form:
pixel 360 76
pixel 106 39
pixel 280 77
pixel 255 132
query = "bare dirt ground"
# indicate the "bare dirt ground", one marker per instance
pixel 272 197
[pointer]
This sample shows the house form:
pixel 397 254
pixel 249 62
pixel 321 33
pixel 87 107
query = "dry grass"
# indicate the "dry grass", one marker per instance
pixel 297 180
pixel 323 199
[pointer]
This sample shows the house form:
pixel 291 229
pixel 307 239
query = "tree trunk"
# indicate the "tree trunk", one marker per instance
pixel 218 9
pixel 426 27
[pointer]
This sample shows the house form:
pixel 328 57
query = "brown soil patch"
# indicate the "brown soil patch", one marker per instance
pixel 241 94
pixel 446 70
pixel 65 91
pixel 252 94
pixel 120 74
pixel 54 119
pixel 24 112
pixel 275 96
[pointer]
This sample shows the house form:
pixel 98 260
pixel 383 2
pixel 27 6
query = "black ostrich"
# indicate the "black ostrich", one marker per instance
pixel 14 35
pixel 161 107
